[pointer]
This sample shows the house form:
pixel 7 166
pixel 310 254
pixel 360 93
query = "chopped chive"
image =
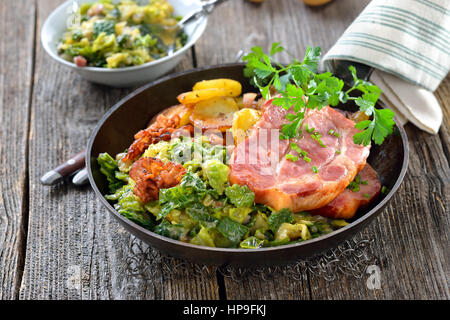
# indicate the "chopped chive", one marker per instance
pixel 291 157
pixel 338 152
pixel 301 152
pixel 316 136
pixel 384 190
pixel 366 195
pixel 333 133
pixel 295 147
pixel 354 186
pixel 314 169
pixel 308 129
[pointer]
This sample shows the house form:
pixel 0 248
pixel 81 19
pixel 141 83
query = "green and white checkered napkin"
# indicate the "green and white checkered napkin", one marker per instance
pixel 407 42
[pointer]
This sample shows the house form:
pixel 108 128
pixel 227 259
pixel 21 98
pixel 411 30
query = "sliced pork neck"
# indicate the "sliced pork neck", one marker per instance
pixel 348 202
pixel 260 161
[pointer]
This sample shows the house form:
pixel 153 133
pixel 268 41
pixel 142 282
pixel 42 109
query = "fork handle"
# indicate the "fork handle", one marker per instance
pixel 59 173
pixel 206 9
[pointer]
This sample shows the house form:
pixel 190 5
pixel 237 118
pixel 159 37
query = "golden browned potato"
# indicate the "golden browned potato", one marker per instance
pixel 208 89
pixel 215 113
pixel 243 120
pixel 232 87
pixel 193 97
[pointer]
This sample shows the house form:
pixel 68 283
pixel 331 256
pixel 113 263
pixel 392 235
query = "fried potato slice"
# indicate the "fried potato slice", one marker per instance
pixel 232 87
pixel 193 97
pixel 208 89
pixel 243 120
pixel 215 113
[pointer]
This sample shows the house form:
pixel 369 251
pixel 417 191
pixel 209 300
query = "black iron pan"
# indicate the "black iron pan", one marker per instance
pixel 115 131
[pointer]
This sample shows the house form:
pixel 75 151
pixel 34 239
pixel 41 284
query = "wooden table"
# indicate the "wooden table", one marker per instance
pixel 59 243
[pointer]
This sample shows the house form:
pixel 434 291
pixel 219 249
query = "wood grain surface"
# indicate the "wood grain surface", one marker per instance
pixel 59 243
pixel 16 88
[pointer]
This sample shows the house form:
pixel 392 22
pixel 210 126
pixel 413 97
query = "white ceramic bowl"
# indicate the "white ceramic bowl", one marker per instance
pixel 56 25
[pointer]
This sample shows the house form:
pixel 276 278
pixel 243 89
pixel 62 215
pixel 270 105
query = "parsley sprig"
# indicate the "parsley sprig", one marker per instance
pixel 301 87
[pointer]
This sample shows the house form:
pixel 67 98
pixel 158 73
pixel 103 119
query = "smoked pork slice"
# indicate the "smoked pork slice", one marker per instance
pixel 260 161
pixel 348 202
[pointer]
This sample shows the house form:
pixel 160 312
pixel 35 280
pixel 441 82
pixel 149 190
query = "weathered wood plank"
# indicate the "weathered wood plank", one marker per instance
pixel 75 250
pixel 443 95
pixel 240 25
pixel 16 65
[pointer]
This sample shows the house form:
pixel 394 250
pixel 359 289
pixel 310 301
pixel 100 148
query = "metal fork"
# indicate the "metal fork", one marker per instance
pixel 206 9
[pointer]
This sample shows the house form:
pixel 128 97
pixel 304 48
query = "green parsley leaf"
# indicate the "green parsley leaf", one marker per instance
pixel 276 47
pixel 301 87
pixel 312 58
pixel 384 124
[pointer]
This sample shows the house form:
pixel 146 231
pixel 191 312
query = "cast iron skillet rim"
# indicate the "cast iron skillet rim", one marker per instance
pixel 376 210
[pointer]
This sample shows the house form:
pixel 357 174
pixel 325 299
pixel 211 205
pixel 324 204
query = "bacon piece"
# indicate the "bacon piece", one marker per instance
pixel 151 174
pixel 96 9
pixel 185 131
pixel 80 61
pixel 249 100
pixel 161 129
pixel 348 202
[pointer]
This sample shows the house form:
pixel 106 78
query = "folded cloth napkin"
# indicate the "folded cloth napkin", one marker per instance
pixel 407 42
